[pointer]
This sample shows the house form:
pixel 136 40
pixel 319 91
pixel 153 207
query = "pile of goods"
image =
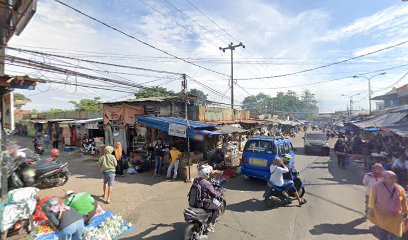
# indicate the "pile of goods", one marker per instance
pixel 20 204
pixel 104 226
pixel 111 228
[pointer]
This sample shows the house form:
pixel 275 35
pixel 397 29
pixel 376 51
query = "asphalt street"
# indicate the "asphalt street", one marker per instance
pixel 334 210
pixel 155 206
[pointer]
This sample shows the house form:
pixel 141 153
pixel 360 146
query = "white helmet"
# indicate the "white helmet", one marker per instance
pixel 204 171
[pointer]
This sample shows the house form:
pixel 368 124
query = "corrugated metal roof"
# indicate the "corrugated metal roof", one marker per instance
pixel 384 120
pixel 154 99
pixel 83 121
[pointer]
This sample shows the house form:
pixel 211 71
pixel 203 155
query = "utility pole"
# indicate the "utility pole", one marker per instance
pixel 184 85
pixel 232 47
pixel 369 87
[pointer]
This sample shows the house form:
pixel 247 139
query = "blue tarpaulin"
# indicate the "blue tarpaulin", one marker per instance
pixel 163 123
pixel 98 219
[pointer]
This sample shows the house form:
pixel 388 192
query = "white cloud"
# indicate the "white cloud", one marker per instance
pixel 389 19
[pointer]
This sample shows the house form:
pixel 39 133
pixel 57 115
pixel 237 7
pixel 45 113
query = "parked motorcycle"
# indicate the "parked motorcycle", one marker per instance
pixel 38 147
pixel 198 218
pixel 89 147
pixel 40 174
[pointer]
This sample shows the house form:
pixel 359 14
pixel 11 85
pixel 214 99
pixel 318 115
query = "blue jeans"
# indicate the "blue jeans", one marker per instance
pixel 73 231
pixel 175 166
pixel 158 162
pixel 287 186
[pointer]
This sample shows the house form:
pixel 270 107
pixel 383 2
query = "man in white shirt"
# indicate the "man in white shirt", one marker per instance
pixel 277 170
pixel 400 167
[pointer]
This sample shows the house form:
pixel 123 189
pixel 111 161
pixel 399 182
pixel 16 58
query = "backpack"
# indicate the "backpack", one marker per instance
pixel 195 195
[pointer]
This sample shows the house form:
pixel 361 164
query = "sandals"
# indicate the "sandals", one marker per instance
pixel 302 202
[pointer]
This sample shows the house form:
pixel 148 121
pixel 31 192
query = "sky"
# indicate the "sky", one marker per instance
pixel 280 37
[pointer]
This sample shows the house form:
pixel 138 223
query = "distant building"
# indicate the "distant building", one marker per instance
pixel 395 98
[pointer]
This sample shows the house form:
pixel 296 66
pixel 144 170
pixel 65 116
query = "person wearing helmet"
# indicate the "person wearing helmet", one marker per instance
pixel 208 193
pixel 54 154
pixel 68 221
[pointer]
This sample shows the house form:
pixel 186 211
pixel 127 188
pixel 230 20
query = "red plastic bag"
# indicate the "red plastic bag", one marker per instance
pixel 39 215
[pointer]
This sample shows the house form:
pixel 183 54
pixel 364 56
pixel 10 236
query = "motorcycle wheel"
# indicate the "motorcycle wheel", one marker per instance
pixel 65 178
pixel 223 206
pixel 190 233
pixel 301 192
pixel 271 202
pixel 94 152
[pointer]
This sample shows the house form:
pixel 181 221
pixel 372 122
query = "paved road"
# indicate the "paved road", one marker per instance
pixel 334 209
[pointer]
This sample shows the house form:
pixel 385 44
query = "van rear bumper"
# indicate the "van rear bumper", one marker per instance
pixel 250 172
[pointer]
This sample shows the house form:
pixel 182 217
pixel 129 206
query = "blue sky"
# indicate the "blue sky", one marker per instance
pixel 280 37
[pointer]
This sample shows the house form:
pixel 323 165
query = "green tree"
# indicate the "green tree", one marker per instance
pixel 23 100
pixel 87 104
pixel 202 97
pixel 259 104
pixel 154 92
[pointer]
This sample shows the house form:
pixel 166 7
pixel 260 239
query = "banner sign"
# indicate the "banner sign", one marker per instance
pixel 8 111
pixel 91 125
pixel 178 130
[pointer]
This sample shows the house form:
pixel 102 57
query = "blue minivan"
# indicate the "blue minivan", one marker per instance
pixel 259 151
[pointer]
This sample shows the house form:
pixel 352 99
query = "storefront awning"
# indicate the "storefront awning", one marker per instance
pixel 175 126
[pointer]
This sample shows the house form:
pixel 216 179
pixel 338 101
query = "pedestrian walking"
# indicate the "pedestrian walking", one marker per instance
pixel 120 158
pixel 158 158
pixel 342 151
pixel 370 179
pixel 175 160
pixel 387 207
pixel 68 221
pixel 55 139
pixel 46 140
pixel 107 164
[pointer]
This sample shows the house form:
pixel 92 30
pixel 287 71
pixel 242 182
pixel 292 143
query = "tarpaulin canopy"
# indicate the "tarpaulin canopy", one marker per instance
pixel 387 119
pixel 166 124
pixel 221 130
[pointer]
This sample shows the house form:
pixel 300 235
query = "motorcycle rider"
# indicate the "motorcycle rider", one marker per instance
pixel 54 154
pixel 208 193
pixel 277 170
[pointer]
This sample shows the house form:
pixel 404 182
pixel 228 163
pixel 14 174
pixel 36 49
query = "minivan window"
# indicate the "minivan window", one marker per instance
pixel 316 136
pixel 260 146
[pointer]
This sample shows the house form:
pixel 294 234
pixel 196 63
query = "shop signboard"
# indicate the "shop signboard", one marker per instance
pixel 8 111
pixel 91 125
pixel 178 130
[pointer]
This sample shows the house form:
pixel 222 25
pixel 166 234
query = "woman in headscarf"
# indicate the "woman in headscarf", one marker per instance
pixel 120 157
pixel 387 206
pixel 372 178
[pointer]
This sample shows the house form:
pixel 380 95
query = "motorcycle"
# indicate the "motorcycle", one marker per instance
pixel 40 174
pixel 274 197
pixel 38 147
pixel 89 147
pixel 198 218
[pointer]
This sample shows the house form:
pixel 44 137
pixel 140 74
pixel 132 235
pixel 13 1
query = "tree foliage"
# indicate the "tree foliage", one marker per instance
pixel 289 102
pixel 87 104
pixel 154 92
pixel 22 98
pixel 202 97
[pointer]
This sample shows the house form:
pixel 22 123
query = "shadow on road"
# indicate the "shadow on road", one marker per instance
pixel 340 228
pixel 242 183
pixel 175 233
pixel 250 205
pixel 353 174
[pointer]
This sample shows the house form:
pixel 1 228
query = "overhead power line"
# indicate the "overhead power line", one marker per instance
pixel 137 39
pixel 328 65
pixel 94 62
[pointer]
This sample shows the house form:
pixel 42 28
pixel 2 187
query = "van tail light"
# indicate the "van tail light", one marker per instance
pixel 244 159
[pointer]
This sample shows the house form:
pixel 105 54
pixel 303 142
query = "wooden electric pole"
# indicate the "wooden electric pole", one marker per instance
pixel 232 47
